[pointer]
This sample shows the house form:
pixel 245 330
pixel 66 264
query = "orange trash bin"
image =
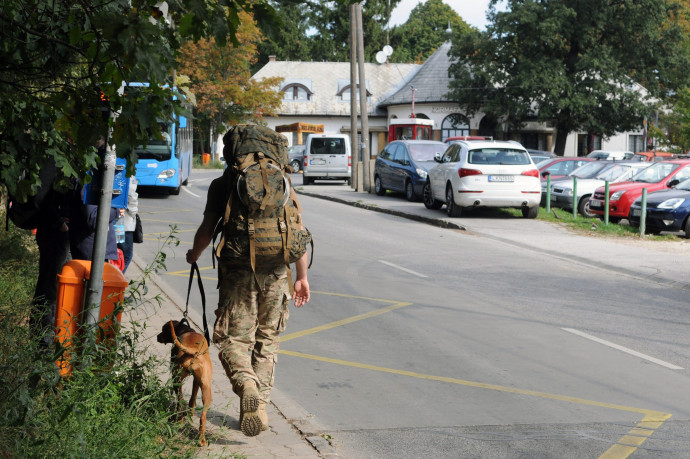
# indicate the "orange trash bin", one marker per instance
pixel 70 303
pixel 205 158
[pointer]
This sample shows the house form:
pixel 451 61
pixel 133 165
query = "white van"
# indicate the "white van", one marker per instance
pixel 611 155
pixel 327 156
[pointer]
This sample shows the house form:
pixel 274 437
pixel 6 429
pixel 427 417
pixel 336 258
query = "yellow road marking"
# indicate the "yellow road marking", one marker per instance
pixel 338 323
pixel 164 211
pixel 622 449
pixel 150 220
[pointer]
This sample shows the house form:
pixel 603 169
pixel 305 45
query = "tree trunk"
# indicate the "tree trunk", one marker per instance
pixel 561 137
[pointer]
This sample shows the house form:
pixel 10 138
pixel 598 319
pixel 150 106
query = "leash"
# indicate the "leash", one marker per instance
pixel 195 268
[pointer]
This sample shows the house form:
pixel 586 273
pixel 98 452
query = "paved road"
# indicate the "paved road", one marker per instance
pixel 423 341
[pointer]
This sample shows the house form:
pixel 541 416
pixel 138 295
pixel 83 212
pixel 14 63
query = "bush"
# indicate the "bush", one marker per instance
pixel 112 405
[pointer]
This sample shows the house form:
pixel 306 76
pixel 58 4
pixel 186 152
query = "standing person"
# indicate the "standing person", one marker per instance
pixel 253 299
pixel 130 214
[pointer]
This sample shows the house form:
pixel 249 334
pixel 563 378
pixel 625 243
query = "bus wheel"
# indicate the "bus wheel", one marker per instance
pixel 175 191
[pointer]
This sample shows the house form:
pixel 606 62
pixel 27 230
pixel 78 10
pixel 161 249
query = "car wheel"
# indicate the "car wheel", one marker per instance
pixel 409 192
pixel 175 191
pixel 307 180
pixel 380 190
pixel 583 207
pixel 686 228
pixel 452 209
pixel 349 181
pixel 429 201
pixel 530 212
pixel 295 165
pixel 614 219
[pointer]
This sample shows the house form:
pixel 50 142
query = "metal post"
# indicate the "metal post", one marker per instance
pixel 606 202
pixel 643 213
pixel 356 183
pixel 574 197
pixel 363 100
pixel 548 193
pixel 94 288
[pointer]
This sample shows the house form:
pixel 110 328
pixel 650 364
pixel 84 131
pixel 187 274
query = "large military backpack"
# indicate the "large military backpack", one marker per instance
pixel 262 222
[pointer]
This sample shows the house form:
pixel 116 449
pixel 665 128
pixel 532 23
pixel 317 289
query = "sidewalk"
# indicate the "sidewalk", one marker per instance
pixel 293 433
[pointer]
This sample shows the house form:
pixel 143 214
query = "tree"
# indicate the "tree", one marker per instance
pixel 572 64
pixel 425 31
pixel 289 43
pixel 62 64
pixel 221 79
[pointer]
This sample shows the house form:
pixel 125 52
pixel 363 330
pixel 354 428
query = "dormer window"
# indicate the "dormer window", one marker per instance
pixel 296 92
pixel 345 93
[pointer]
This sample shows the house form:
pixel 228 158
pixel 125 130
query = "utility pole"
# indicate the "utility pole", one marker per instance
pixel 356 183
pixel 363 101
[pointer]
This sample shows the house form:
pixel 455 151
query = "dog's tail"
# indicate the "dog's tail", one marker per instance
pixel 179 344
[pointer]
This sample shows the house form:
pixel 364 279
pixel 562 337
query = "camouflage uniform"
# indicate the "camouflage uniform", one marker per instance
pixel 248 325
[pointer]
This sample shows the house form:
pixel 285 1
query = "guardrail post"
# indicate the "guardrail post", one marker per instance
pixel 574 197
pixel 606 202
pixel 548 193
pixel 643 213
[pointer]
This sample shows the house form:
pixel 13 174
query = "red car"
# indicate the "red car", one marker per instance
pixel 560 166
pixel 659 176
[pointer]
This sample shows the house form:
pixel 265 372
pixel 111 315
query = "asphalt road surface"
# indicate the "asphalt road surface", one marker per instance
pixel 429 342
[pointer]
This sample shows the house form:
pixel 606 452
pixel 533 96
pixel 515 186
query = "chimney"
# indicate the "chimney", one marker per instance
pixel 271 58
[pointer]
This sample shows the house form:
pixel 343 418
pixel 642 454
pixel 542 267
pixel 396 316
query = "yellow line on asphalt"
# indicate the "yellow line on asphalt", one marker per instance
pixel 150 220
pixel 622 449
pixel 339 323
pixel 164 211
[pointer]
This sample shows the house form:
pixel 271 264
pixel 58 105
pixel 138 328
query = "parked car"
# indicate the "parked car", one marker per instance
pixel 611 155
pixel 562 191
pixel 559 166
pixel 296 153
pixel 327 156
pixel 587 170
pixel 652 156
pixel 540 155
pixel 403 166
pixel 483 174
pixel 667 210
pixel 466 137
pixel 659 176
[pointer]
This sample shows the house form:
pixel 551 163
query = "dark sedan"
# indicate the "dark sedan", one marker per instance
pixel 403 166
pixel 667 210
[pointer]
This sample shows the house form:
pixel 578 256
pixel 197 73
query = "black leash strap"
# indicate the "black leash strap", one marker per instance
pixel 195 268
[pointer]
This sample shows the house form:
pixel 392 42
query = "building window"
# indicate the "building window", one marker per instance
pixel 636 143
pixel 296 92
pixel 454 125
pixel 345 94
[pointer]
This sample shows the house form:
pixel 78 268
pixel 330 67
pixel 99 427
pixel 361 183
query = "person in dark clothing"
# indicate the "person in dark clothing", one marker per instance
pixel 82 229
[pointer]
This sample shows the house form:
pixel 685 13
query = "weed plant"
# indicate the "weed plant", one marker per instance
pixel 112 405
pixel 197 163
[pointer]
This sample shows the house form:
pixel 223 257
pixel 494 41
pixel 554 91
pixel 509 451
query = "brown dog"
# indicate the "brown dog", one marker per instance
pixel 190 355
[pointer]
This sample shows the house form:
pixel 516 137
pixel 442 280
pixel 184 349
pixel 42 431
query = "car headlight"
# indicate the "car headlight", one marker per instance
pixel 617 195
pixel 166 174
pixel 672 203
pixel 422 173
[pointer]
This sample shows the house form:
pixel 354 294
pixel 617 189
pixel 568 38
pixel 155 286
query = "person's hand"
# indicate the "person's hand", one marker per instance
pixel 191 258
pixel 301 294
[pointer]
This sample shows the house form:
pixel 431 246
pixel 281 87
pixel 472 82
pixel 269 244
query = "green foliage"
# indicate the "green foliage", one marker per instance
pixel 574 65
pixel 59 58
pixel 673 131
pixel 425 31
pixel 112 405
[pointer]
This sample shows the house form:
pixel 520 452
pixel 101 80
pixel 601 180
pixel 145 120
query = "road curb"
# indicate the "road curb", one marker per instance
pixel 431 221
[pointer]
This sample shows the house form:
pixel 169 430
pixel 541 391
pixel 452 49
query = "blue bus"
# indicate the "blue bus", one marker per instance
pixel 166 164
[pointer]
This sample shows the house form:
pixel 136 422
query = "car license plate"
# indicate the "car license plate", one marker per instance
pixel 317 162
pixel 636 212
pixel 501 178
pixel 596 203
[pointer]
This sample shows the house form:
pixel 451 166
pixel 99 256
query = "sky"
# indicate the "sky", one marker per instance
pixel 472 12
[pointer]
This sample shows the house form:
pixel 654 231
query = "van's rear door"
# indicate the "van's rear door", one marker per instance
pixel 328 156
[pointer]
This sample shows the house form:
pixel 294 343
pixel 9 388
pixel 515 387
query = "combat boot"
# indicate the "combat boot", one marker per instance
pixel 250 422
pixel 263 416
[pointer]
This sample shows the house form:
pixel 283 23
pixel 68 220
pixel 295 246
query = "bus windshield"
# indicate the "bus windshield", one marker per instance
pixel 158 148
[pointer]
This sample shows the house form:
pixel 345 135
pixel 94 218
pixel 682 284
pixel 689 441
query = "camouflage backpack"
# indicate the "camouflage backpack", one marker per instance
pixel 262 221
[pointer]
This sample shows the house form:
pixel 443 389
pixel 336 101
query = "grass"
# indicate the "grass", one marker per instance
pixel 591 226
pixel 113 404
pixel 197 163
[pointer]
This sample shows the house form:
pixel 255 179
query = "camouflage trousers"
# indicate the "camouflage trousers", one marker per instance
pixel 248 325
